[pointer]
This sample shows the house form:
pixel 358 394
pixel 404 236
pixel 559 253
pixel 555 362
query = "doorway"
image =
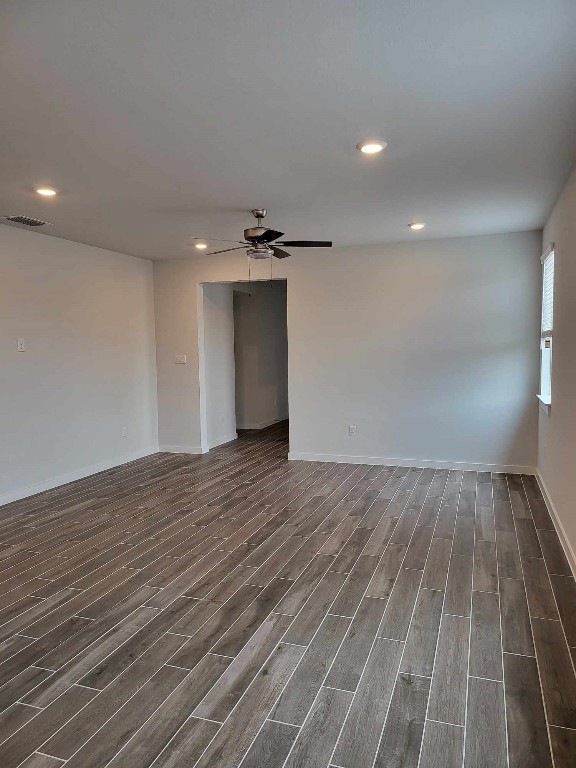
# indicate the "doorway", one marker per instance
pixel 244 358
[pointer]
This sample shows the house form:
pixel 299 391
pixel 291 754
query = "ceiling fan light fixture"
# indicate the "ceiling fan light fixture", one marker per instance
pixel 260 251
pixel 201 246
pixel 371 146
pixel 417 225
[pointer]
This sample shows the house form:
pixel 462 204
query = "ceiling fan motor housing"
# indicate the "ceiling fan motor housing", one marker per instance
pixel 253 233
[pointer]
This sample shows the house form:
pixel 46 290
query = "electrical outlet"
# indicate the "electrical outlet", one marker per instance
pixel 352 429
pixel 124 431
pixel 180 359
pixel 21 345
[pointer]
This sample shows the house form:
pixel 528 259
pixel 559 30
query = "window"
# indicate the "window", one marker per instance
pixel 547 326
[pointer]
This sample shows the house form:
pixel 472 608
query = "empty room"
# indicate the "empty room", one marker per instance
pixel 288 384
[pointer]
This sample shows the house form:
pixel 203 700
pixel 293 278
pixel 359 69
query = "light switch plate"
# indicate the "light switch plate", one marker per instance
pixel 180 359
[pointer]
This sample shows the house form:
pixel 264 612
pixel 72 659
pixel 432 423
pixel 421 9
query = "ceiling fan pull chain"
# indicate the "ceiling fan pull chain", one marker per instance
pixel 249 276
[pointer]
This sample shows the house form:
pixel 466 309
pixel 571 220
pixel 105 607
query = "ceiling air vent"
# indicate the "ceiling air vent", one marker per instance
pixel 27 221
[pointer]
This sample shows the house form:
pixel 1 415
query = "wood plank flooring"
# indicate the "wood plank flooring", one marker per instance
pixel 237 609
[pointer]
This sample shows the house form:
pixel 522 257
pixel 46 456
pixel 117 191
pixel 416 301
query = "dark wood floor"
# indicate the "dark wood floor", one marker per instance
pixel 237 608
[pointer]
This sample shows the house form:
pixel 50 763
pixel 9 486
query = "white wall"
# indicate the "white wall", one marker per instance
pixel 427 347
pixel 89 367
pixel 261 353
pixel 557 433
pixel 219 363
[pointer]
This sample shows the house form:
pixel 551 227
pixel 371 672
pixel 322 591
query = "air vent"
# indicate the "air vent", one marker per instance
pixel 27 221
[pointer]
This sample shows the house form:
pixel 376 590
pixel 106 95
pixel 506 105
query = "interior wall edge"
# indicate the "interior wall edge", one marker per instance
pixel 222 439
pixel 510 469
pixel 193 449
pixel 556 519
pixel 77 474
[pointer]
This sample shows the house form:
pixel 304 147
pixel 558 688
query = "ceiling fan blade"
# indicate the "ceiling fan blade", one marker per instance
pixel 308 243
pixel 268 236
pixel 279 253
pixel 226 250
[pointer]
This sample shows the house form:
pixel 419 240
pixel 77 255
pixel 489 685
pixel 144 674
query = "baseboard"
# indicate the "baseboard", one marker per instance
pixel 224 439
pixel 196 449
pixel 511 469
pixel 70 477
pixel 260 424
pixel 566 546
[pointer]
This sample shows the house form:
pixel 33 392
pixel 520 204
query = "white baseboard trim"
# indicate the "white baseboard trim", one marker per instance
pixel 512 469
pixel 197 449
pixel 78 474
pixel 560 530
pixel 260 424
pixel 224 439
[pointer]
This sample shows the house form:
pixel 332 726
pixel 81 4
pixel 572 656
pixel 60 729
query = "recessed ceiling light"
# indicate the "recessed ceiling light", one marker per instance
pixel 417 225
pixel 371 146
pixel 46 191
pixel 201 246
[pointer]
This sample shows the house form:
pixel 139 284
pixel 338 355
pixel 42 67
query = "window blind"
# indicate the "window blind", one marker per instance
pixel 548 293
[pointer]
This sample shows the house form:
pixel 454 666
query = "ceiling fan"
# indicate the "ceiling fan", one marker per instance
pixel 258 241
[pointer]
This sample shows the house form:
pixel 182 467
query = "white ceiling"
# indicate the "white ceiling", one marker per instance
pixel 162 120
